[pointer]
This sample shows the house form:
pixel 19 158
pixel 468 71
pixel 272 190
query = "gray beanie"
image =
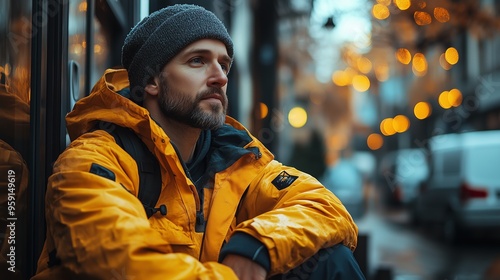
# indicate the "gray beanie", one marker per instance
pixel 156 39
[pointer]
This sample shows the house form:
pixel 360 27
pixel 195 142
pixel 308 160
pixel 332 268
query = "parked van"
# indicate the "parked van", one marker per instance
pixel 462 192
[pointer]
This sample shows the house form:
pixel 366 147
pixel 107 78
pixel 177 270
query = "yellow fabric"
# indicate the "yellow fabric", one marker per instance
pixel 100 229
pixel 14 147
pixel 13 202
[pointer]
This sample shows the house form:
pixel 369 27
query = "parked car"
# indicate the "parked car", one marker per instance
pixel 346 182
pixel 400 174
pixel 462 192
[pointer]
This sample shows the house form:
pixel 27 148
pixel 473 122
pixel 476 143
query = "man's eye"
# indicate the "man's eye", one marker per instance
pixel 225 67
pixel 196 60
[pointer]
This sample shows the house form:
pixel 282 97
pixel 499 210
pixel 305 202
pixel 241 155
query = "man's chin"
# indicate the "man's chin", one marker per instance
pixel 217 124
pixel 209 122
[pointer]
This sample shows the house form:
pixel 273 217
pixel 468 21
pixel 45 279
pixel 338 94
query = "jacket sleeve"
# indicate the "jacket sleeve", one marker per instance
pixel 294 216
pixel 97 227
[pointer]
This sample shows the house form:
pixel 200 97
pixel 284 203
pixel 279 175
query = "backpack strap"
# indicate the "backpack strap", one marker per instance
pixel 147 164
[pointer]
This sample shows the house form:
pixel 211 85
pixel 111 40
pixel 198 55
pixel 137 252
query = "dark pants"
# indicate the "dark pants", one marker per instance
pixel 336 262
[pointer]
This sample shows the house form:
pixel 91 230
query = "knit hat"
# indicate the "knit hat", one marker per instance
pixel 156 39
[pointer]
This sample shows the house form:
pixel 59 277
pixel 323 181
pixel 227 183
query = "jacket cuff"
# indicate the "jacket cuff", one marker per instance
pixel 249 247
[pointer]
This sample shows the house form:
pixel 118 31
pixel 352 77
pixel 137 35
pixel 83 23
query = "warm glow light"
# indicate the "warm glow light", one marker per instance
pixel 382 72
pixel 451 55
pixel 455 97
pixel 83 6
pixel 444 63
pixel 403 55
pixel 361 83
pixel 341 78
pixel 402 4
pixel 7 69
pixel 97 49
pixel 76 49
pixel 386 127
pixel 422 18
pixel 441 14
pixel 384 2
pixel 350 73
pixel 364 65
pixel 422 110
pixel 443 100
pixel 380 11
pixel 374 141
pixel 264 110
pixel 337 141
pixel 297 117
pixel 401 123
pixel 419 65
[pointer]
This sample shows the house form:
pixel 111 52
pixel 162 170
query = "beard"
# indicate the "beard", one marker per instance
pixel 181 107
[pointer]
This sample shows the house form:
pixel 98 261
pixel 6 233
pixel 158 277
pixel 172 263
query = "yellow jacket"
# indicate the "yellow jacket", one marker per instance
pixel 99 229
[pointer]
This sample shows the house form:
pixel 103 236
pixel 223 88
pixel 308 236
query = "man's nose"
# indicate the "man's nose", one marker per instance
pixel 218 77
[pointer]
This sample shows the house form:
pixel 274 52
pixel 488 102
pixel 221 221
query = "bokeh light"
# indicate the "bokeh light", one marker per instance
pixel 264 110
pixel 380 11
pixel 403 55
pixel 401 123
pixel 297 117
pixel 441 14
pixel 402 4
pixel 451 56
pixel 444 64
pixel 7 69
pixel 341 78
pixel 364 65
pixel 361 83
pixel 384 2
pixel 443 100
pixel 82 7
pixel 419 65
pixel 374 141
pixel 455 97
pixel 422 110
pixel 386 127
pixel 422 18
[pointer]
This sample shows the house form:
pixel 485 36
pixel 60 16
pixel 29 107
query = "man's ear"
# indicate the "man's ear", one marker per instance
pixel 152 87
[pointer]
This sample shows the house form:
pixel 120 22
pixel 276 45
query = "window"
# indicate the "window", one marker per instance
pixel 15 99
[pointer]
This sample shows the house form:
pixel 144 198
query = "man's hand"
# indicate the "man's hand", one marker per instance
pixel 245 268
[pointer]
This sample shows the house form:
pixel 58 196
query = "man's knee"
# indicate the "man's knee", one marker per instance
pixel 338 255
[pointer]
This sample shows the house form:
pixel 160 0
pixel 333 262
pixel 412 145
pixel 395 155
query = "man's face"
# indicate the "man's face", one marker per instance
pixel 193 85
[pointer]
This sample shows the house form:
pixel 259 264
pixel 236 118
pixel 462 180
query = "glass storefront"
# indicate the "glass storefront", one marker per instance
pixel 51 54
pixel 79 52
pixel 15 97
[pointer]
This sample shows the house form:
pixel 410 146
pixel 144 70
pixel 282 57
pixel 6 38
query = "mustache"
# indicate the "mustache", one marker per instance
pixel 211 91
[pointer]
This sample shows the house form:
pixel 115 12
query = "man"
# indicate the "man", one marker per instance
pixel 232 210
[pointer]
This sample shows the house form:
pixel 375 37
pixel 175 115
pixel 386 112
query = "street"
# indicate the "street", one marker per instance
pixel 409 253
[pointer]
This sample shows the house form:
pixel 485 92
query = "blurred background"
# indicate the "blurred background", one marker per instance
pixel 393 104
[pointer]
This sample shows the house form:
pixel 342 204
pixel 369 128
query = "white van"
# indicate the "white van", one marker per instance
pixel 462 191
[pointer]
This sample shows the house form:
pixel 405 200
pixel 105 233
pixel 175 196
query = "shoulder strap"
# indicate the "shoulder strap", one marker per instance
pixel 147 164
